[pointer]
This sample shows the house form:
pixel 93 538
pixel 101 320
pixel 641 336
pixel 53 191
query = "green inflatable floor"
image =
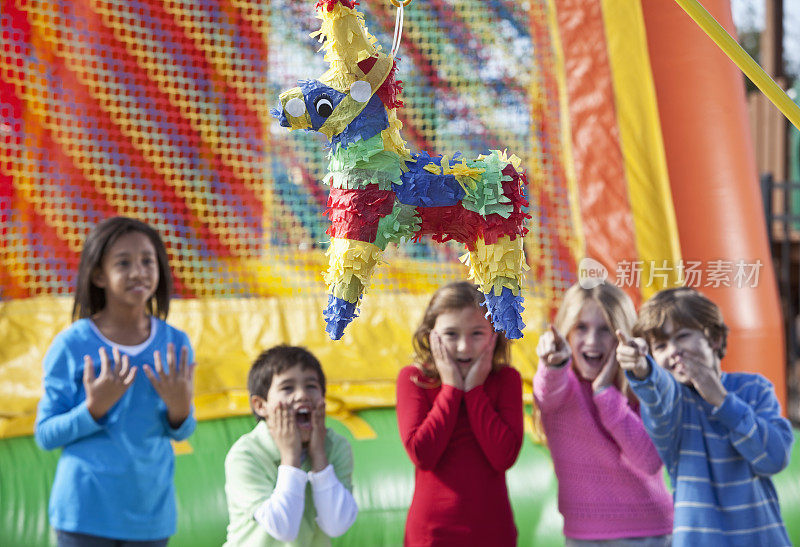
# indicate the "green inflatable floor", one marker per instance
pixel 383 482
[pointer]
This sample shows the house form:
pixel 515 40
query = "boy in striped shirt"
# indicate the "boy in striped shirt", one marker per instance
pixel 721 435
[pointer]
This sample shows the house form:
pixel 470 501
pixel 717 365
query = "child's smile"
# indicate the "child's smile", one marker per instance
pixel 591 340
pixel 464 333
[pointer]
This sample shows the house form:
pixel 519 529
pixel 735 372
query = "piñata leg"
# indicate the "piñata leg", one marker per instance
pixel 350 266
pixel 498 269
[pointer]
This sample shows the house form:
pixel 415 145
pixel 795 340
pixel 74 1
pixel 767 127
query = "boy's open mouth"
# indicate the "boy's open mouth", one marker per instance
pixel 303 417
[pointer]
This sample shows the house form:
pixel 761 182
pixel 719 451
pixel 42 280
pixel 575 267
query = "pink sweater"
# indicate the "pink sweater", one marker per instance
pixel 610 477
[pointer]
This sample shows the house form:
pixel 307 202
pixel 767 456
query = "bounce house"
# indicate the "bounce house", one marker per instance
pixel 629 122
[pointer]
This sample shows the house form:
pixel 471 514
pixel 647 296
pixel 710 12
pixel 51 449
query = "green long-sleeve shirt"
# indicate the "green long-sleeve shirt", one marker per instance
pixel 251 473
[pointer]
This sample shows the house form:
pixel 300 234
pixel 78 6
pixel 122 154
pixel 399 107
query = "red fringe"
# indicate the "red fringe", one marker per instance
pixel 355 214
pixel 329 4
pixel 389 91
pixel 453 222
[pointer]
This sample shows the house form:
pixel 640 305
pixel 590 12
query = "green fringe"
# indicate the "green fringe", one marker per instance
pixel 486 197
pixel 402 222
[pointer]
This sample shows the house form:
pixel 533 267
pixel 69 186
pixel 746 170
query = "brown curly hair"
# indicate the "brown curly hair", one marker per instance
pixel 453 296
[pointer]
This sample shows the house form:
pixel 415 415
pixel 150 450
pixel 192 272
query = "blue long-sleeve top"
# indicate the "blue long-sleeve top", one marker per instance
pixel 115 475
pixel 719 459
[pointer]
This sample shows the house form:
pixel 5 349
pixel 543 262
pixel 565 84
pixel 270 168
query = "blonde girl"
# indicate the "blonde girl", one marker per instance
pixel 610 477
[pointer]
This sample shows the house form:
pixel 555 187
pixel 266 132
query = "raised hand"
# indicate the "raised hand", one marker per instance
pixel 103 391
pixel 608 373
pixel 631 354
pixel 282 424
pixel 316 446
pixel 173 383
pixel 447 367
pixel 480 370
pixel 553 349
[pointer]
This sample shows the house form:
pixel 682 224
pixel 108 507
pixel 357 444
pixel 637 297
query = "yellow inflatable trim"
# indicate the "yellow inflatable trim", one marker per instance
pixel 227 335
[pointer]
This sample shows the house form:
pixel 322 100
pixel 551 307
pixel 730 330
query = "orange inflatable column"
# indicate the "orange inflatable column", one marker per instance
pixel 714 184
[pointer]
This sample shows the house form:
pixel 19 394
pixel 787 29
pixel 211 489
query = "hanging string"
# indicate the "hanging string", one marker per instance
pixel 398 25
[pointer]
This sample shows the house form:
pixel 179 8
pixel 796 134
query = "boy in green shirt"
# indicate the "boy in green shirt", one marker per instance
pixel 288 481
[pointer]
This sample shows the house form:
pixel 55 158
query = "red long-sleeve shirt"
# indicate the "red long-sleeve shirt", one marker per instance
pixel 461 445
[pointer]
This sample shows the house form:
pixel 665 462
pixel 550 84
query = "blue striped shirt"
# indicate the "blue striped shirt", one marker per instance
pixel 719 459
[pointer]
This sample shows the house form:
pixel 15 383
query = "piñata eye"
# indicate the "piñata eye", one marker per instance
pixel 323 106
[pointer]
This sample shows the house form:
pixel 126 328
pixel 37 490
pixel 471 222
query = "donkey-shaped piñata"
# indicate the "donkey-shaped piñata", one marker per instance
pixel 382 193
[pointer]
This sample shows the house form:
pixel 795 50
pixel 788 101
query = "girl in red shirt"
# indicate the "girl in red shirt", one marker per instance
pixel 459 411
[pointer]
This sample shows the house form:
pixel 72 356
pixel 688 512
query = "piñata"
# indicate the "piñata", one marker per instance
pixel 380 192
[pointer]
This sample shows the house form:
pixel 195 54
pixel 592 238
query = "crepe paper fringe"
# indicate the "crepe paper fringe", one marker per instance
pixel 359 179
pixel 355 214
pixel 499 263
pixel 350 260
pixel 338 314
pixel 402 223
pixel 505 311
pixel 362 154
pixel 484 187
pixel 393 141
pixel 329 4
pixel 370 122
pixel 422 188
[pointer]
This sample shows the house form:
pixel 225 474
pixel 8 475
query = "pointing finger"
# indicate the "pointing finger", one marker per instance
pixel 558 340
pixel 623 338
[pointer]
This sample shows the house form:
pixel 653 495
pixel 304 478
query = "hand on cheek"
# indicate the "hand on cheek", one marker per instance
pixel 282 426
pixel 482 367
pixel 448 370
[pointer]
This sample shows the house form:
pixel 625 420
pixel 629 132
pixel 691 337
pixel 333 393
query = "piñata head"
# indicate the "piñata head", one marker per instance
pixel 382 193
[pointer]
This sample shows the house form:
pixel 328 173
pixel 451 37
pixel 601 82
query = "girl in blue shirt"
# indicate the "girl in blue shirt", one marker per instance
pixel 114 480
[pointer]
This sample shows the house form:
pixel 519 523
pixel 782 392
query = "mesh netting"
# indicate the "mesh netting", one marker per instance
pixel 159 109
